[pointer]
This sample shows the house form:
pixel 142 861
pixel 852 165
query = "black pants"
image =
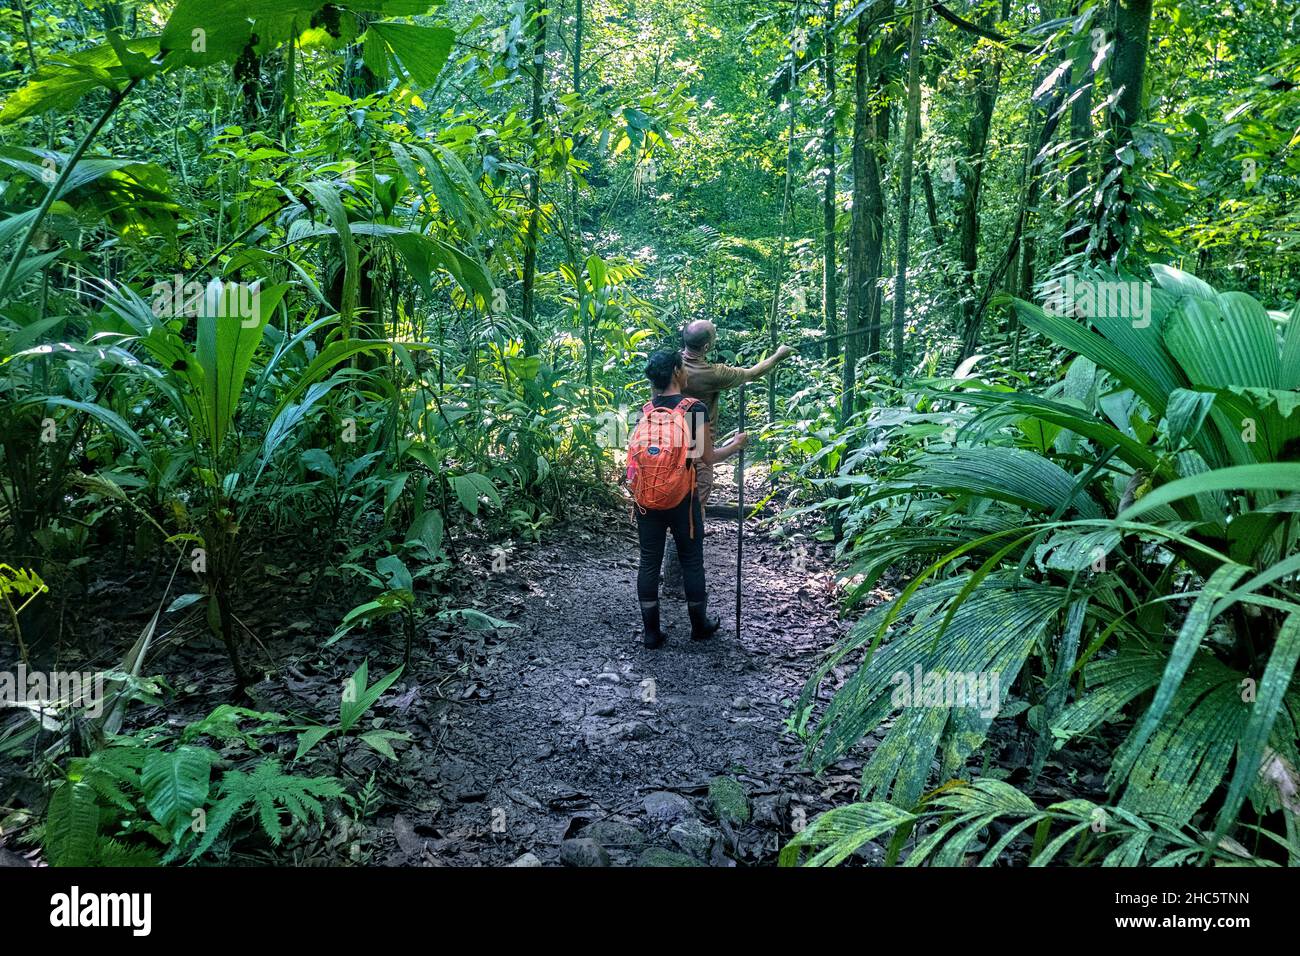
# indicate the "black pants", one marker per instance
pixel 652 529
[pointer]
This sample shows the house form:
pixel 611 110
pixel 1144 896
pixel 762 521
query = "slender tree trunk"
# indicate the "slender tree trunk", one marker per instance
pixel 577 49
pixel 857 292
pixel 905 182
pixel 1031 186
pixel 584 306
pixel 878 142
pixel 1053 114
pixel 577 90
pixel 931 207
pixel 986 80
pixel 1024 284
pixel 950 283
pixel 288 92
pixel 830 304
pixel 1080 152
pixel 29 39
pixel 1081 132
pixel 528 310
pixel 778 278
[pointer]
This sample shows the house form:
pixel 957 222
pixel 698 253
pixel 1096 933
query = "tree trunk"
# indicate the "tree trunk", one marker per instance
pixel 577 49
pixel 577 89
pixel 1132 26
pixel 877 153
pixel 1024 281
pixel 1082 76
pixel 986 80
pixel 778 277
pixel 863 123
pixel 528 308
pixel 866 234
pixel 905 182
pixel 1052 119
pixel 1031 187
pixel 931 207
pixel 830 304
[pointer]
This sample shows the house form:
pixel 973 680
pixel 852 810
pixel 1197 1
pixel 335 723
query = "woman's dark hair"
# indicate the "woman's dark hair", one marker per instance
pixel 659 367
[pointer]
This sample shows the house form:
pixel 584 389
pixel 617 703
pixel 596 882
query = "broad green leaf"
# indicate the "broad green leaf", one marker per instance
pixel 72 825
pixel 175 784
pixel 836 834
pixel 395 571
pixel 419 51
pixel 1223 343
pixel 308 739
pixel 230 327
pixel 1264 710
pixel 357 698
pixel 1190 635
pixel 1274 477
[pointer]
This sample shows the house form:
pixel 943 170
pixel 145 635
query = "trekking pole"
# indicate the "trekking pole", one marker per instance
pixel 740 508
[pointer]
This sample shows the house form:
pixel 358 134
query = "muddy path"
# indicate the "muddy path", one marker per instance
pixel 567 741
pixel 559 739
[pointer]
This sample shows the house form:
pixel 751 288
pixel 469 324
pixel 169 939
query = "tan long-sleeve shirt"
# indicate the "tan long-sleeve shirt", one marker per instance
pixel 707 381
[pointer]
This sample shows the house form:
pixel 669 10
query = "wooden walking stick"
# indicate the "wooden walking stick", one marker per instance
pixel 740 508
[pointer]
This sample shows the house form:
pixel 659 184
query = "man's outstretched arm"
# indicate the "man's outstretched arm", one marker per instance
pixel 719 377
pixel 758 370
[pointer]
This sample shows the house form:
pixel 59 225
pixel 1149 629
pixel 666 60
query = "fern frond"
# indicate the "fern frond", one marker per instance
pixel 225 723
pixel 72 825
pixel 265 793
pixel 113 853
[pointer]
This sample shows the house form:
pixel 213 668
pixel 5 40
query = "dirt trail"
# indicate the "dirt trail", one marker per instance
pixel 573 731
pixel 559 740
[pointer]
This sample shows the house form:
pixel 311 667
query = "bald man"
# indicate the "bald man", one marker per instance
pixel 707 381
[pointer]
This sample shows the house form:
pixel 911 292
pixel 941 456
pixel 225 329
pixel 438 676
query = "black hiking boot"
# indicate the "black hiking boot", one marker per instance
pixel 653 634
pixel 703 627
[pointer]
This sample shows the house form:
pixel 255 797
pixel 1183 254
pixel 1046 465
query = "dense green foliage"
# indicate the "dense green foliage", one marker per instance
pixel 369 282
pixel 1130 524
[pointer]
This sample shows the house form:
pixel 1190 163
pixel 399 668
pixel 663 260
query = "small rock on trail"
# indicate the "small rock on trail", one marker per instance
pixel 583 852
pixel 663 807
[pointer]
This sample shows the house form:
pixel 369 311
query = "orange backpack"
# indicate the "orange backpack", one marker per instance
pixel 659 466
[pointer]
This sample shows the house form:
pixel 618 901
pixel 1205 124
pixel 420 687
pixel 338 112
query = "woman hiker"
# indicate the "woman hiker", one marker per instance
pixel 673 434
